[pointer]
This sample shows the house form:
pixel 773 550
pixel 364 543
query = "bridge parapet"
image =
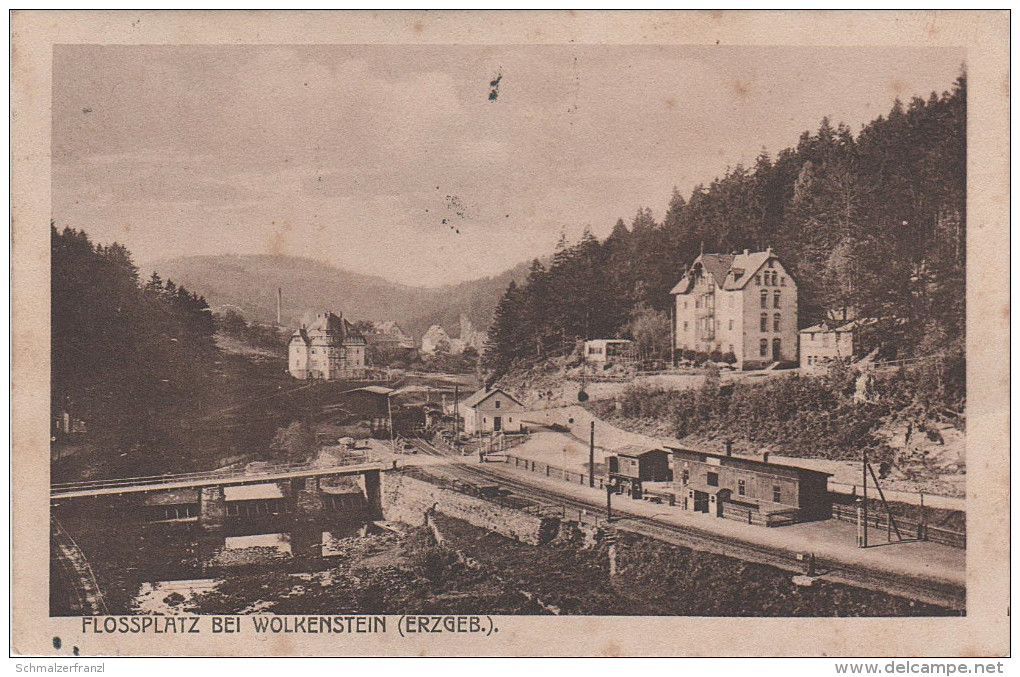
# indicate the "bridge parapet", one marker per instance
pixel 213 478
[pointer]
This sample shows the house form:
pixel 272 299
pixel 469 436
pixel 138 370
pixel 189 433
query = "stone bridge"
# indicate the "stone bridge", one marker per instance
pixel 211 497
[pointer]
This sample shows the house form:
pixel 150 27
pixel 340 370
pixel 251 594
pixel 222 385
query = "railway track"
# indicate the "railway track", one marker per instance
pixel 921 589
pixel 88 598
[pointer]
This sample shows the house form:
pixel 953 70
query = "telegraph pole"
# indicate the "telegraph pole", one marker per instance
pixel 864 492
pixel 591 457
pixel 456 414
pixel 389 411
pixel 921 536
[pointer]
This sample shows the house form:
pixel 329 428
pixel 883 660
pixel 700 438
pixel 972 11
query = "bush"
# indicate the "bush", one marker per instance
pixel 715 356
pixel 689 355
pixel 700 357
pixel 427 558
pixel 730 358
pixel 806 416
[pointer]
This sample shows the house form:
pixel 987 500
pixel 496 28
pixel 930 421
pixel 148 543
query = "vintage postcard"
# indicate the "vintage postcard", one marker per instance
pixel 510 333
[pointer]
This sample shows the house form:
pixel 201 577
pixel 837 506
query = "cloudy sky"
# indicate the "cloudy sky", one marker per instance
pixel 393 160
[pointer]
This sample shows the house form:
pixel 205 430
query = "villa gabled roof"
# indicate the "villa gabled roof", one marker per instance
pixel 750 263
pixel 716 265
pixel 720 267
pixel 329 329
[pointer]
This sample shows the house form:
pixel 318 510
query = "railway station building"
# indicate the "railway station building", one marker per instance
pixel 750 490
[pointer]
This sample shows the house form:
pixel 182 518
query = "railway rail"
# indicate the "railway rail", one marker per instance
pixel 76 571
pixel 925 590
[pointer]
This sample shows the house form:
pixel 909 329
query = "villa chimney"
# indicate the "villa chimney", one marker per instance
pixel 765 457
pixel 746 252
pixel 729 447
pixel 768 250
pixel 279 305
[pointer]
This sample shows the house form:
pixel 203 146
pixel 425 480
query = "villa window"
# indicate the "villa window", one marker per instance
pixel 757 280
pixel 764 322
pixel 777 494
pixel 764 299
pixel 731 325
pixel 763 347
pixel 782 281
pixel 497 404
pixel 775 300
pixel 741 487
pixel 775 322
pixel 712 479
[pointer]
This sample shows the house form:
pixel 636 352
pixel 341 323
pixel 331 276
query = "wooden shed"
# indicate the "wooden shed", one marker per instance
pixel 633 465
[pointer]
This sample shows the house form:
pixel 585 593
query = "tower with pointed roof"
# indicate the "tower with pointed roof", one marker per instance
pixel 744 305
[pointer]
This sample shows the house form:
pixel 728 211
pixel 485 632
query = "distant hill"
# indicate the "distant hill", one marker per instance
pixel 249 284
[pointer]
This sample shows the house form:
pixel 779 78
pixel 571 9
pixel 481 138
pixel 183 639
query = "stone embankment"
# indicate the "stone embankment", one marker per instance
pixel 407 499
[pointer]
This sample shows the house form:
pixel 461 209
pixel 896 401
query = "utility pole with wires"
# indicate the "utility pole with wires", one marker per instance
pixel 456 414
pixel 862 519
pixel 389 412
pixel 864 497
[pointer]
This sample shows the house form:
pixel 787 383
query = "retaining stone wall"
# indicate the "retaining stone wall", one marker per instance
pixel 406 499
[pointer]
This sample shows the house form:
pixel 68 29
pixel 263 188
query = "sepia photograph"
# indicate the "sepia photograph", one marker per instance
pixel 361 338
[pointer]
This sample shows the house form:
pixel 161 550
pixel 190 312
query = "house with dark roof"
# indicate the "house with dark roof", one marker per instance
pixel 741 306
pixel 491 411
pixel 390 335
pixel 328 348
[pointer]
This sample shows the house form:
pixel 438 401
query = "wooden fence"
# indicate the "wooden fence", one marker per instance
pixel 485 445
pixel 910 529
pixel 552 471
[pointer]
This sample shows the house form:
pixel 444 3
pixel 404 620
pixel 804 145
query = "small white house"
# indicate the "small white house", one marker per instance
pixel 823 345
pixel 607 350
pixel 491 411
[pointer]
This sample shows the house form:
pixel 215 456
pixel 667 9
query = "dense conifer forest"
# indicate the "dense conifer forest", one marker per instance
pixel 128 356
pixel 874 221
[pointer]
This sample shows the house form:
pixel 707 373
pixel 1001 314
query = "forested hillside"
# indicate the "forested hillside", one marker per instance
pixel 127 355
pixel 874 220
pixel 249 284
